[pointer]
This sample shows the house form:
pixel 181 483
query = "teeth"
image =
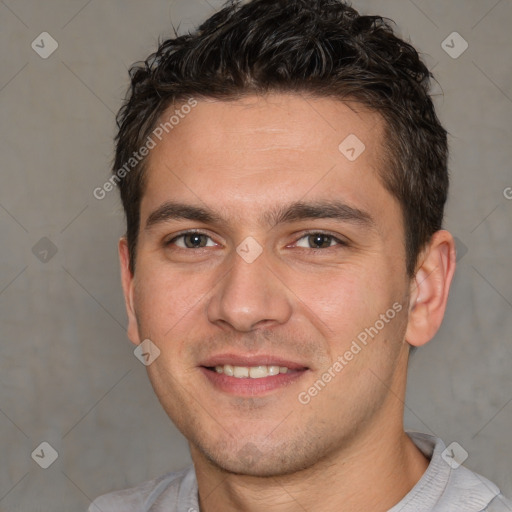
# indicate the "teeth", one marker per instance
pixel 257 372
pixel 274 370
pixel 253 372
pixel 240 372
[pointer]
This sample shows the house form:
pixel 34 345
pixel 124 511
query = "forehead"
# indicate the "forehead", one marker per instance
pixel 270 123
pixel 258 150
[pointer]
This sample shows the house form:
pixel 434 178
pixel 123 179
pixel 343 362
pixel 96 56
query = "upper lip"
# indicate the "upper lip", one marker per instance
pixel 251 360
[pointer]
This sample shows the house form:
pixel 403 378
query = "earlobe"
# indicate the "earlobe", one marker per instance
pixel 430 288
pixel 128 283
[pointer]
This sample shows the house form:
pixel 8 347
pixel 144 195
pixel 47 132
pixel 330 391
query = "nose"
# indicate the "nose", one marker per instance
pixel 250 296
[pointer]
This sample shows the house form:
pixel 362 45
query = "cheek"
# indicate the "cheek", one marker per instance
pixel 349 304
pixel 172 301
pixel 341 298
pixel 162 299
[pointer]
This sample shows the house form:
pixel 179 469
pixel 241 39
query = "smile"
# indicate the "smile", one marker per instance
pixel 251 372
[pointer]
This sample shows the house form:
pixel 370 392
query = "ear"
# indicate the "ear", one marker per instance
pixel 127 280
pixel 430 287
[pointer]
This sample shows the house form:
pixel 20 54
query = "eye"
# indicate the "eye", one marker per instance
pixel 192 240
pixel 318 241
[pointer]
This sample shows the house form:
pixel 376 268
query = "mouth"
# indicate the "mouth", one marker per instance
pixel 250 372
pixel 250 376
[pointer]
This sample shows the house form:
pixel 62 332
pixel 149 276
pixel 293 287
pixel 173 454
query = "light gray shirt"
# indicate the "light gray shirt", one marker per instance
pixel 443 487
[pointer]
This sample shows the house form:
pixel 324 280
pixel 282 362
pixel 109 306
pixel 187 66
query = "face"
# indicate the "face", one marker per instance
pixel 271 276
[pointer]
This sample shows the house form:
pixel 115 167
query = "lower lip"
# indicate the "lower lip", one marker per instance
pixel 251 387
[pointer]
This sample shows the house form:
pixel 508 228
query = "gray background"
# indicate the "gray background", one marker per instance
pixel 68 375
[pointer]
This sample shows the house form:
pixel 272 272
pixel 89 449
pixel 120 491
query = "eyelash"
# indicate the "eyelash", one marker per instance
pixel 339 242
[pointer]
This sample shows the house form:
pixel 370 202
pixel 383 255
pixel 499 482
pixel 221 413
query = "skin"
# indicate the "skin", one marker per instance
pixel 346 449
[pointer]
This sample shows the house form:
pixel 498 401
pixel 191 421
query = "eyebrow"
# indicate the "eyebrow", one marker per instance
pixel 319 210
pixel 178 211
pixel 289 213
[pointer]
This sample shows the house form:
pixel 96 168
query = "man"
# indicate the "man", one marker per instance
pixel 284 174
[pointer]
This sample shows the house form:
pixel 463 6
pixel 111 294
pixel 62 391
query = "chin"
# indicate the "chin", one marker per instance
pixel 250 460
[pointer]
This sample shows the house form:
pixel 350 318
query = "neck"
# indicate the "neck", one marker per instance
pixel 374 474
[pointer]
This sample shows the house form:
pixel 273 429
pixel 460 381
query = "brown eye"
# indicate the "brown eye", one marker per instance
pixel 192 241
pixel 320 241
